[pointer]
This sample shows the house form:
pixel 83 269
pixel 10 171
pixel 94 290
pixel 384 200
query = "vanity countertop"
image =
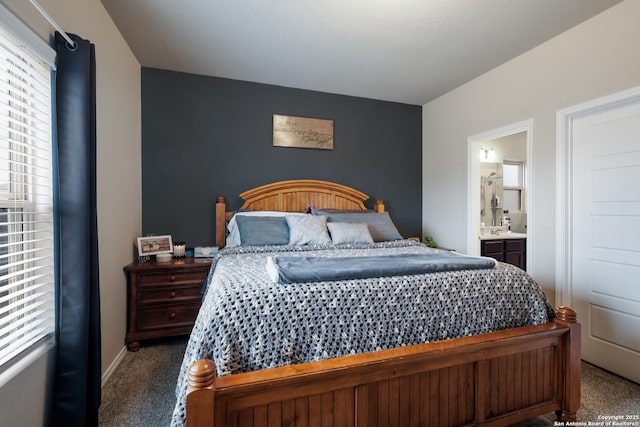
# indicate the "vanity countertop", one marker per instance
pixel 503 235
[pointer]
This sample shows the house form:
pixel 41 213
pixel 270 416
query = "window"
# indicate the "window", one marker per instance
pixel 513 186
pixel 26 202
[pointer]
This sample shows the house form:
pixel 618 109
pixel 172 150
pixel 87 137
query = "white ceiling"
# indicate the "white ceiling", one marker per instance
pixel 408 51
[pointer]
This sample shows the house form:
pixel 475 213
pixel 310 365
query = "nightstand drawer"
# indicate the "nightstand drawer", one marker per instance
pixel 152 296
pixel 171 277
pixel 154 317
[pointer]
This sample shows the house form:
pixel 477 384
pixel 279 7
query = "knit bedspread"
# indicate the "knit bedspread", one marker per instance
pixel 248 323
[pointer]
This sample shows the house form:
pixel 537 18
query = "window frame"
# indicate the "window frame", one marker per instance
pixel 30 205
pixel 519 189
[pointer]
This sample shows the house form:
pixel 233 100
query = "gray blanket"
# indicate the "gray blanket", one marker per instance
pixel 303 269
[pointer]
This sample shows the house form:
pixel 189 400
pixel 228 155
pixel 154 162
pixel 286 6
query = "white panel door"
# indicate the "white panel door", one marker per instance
pixel 606 237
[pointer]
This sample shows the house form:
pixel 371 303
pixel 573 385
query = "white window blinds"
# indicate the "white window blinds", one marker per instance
pixel 26 202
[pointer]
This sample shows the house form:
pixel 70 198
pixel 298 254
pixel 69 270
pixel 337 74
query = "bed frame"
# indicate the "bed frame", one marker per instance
pixel 497 378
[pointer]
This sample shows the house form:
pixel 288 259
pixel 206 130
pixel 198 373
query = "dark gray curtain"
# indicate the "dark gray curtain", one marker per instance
pixel 78 371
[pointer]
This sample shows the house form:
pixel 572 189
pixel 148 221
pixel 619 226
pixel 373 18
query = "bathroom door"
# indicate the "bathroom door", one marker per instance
pixel 605 263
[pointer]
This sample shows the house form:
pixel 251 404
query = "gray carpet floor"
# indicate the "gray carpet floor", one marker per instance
pixel 141 390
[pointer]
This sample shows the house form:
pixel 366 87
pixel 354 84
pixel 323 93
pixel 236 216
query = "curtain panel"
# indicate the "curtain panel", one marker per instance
pixel 77 382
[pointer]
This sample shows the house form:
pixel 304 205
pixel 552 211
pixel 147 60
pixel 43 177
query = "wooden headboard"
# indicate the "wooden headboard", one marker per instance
pixel 294 196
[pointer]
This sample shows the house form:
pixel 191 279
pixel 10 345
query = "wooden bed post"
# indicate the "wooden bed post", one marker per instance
pixel 201 393
pixel 221 229
pixel 571 343
pixel 379 207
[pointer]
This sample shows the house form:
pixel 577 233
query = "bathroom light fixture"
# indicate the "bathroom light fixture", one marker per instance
pixel 487 154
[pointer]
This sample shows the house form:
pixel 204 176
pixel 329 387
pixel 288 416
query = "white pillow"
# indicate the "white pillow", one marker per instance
pixel 233 238
pixel 308 230
pixel 344 232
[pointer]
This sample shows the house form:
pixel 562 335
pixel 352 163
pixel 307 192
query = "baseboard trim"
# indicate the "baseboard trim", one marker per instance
pixel 111 369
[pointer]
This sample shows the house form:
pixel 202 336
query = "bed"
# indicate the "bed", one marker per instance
pixel 488 371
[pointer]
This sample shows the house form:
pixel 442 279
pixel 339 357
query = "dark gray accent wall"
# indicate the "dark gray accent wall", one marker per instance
pixel 207 136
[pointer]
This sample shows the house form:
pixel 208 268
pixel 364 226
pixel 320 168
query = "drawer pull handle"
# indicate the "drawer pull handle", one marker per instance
pixel 173 278
pixel 173 294
pixel 172 315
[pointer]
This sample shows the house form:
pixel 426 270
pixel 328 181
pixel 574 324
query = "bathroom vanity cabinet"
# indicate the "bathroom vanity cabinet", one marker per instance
pixel 511 251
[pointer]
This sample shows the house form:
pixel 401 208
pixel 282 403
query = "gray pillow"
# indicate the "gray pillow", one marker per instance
pixel 344 232
pixel 380 225
pixel 308 230
pixel 262 230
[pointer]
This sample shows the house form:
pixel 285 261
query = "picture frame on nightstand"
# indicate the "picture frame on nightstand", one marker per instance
pixel 154 245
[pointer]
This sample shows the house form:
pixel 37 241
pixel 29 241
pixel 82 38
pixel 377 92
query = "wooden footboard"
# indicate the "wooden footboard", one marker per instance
pixel 497 378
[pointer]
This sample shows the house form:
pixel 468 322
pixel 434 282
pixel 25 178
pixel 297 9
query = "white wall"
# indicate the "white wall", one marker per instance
pixel 119 184
pixel 596 58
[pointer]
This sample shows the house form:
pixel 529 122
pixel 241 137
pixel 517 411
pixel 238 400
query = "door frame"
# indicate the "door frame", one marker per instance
pixel 564 184
pixel 473 184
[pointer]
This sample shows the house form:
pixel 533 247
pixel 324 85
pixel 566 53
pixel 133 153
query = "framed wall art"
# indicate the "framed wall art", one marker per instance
pixel 302 132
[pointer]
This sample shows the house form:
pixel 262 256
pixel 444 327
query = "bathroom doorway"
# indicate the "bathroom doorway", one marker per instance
pixel 496 206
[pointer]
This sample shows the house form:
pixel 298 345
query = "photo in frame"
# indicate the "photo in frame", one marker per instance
pixel 153 245
pixel 302 132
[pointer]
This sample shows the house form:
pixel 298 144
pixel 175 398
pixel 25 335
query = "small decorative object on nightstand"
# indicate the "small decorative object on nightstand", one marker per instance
pixel 205 251
pixel 179 249
pixel 153 245
pixel 163 299
pixel 163 258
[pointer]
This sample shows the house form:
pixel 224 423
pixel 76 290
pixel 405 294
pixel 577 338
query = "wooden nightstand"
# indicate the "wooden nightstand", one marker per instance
pixel 163 299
